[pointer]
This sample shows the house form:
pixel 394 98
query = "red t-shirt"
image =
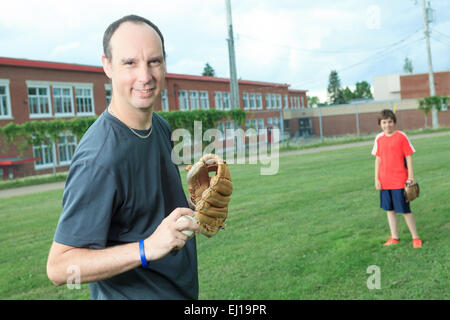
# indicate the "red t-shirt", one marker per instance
pixel 392 151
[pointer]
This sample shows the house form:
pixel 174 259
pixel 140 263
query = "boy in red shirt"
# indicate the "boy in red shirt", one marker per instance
pixel 393 168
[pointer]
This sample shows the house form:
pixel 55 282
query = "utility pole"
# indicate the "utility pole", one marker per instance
pixel 426 19
pixel 234 88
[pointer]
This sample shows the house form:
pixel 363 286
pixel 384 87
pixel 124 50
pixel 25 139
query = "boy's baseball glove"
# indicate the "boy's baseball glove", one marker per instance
pixel 210 195
pixel 411 191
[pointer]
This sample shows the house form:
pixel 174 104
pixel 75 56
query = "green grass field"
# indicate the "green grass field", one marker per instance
pixel 309 232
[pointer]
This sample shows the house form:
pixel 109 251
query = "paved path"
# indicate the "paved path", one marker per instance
pixel 60 185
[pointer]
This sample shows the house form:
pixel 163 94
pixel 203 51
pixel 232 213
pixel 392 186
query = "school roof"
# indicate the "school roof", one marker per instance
pixel 87 68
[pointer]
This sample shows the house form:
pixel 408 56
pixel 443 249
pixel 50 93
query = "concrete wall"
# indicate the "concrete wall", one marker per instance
pixel 344 119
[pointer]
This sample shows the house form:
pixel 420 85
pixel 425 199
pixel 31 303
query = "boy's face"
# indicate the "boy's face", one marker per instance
pixel 388 126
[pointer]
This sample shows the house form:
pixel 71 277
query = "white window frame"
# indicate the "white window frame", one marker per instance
pixel 279 101
pixel 261 123
pixel 45 165
pixel 252 101
pixel 286 101
pixel 63 114
pixel 83 96
pixel 108 87
pixel 228 126
pixel 302 101
pixel 204 100
pixel 39 97
pixel 268 101
pixel 226 101
pixel 5 99
pixel 218 100
pixel 66 146
pixel 246 101
pixel 274 101
pixel 183 100
pixel 164 101
pixel 259 103
pixel 194 100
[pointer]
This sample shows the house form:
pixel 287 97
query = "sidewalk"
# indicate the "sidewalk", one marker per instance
pixel 7 193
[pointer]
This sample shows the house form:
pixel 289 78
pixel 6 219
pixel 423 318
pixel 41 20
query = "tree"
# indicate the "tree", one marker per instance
pixel 313 101
pixel 407 66
pixel 348 94
pixel 334 88
pixel 428 103
pixel 362 91
pixel 208 71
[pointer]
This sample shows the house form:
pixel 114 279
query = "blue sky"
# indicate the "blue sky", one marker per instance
pixel 296 42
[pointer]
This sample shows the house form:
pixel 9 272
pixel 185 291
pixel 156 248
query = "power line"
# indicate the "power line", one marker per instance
pixel 441 40
pixel 317 51
pixel 375 57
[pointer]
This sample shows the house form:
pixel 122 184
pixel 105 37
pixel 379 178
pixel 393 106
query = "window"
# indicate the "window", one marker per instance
pixel 62 99
pixel 46 153
pixel 245 99
pixel 39 102
pixel 164 101
pixel 279 104
pixel 183 100
pixel 5 102
pixel 193 95
pixel 286 101
pixel 85 104
pixel 259 103
pixel 226 101
pixel 260 123
pixel 204 100
pixel 276 122
pixel 303 101
pixel 268 101
pixel 252 101
pixel 66 147
pixel 221 128
pixel 229 125
pixel 108 91
pixel 218 100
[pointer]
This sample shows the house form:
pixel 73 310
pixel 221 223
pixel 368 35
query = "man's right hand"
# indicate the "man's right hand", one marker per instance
pixel 168 235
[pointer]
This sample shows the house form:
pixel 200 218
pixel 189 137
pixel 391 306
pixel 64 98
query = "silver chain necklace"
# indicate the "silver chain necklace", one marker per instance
pixel 132 130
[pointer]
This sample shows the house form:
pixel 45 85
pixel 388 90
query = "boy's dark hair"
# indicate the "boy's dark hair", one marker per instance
pixel 113 27
pixel 386 114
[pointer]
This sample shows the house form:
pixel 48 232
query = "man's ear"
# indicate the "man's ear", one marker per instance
pixel 107 67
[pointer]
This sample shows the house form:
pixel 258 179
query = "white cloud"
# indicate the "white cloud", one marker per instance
pixel 285 41
pixel 64 48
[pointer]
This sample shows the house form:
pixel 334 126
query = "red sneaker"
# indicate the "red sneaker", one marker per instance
pixel 417 243
pixel 391 241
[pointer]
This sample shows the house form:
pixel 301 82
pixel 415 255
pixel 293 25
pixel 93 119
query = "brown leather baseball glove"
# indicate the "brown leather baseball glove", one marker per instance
pixel 411 190
pixel 210 195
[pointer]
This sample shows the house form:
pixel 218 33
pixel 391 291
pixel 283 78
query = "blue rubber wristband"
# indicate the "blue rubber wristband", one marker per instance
pixel 142 253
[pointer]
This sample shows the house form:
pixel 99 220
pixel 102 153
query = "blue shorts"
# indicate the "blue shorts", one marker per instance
pixel 394 200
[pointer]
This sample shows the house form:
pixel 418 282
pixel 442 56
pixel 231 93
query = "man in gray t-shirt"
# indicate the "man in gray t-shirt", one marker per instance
pixel 123 198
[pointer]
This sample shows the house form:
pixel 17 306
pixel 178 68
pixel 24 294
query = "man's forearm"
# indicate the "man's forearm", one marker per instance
pixel 93 264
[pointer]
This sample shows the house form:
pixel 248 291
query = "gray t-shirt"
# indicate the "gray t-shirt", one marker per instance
pixel 118 190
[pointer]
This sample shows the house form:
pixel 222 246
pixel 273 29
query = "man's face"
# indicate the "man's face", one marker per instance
pixel 388 126
pixel 137 66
